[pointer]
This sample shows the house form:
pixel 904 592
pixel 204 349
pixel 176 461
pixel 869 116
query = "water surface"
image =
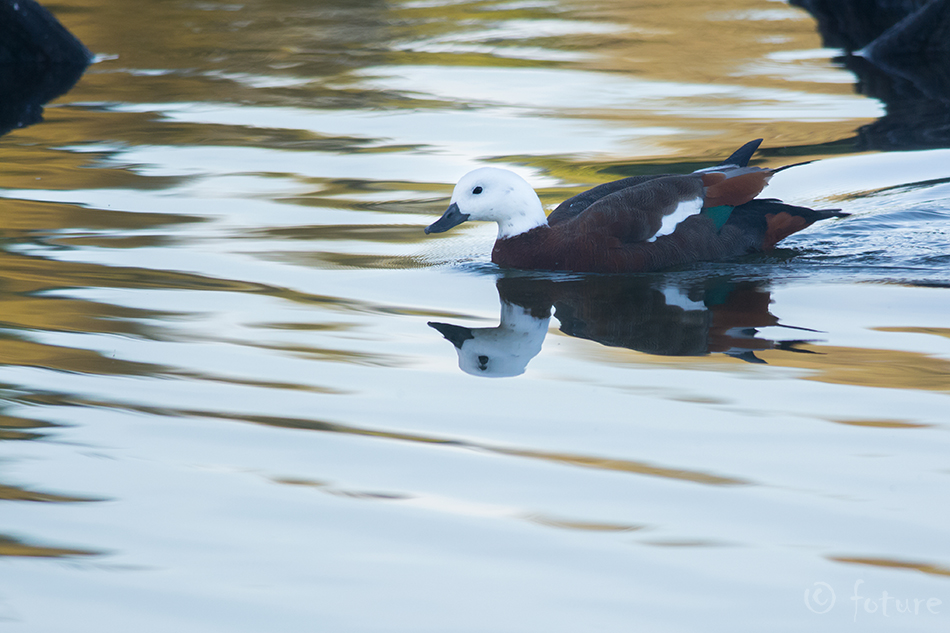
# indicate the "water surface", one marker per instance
pixel 225 408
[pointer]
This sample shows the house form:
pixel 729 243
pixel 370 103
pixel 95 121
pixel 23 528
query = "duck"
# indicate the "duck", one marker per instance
pixel 636 224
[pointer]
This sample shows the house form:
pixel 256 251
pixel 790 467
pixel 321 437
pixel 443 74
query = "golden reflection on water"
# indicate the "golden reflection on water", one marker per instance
pixel 585 461
pixel 882 424
pixel 10 546
pixel 448 505
pixel 629 466
pixel 13 493
pixel 292 56
pixel 653 42
pixel 936 331
pixel 891 563
pixel 17 428
pixel 585 526
pixel 25 219
pixel 878 368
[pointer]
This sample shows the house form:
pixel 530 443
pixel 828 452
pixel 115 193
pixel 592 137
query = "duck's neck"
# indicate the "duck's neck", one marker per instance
pixel 526 216
pixel 527 250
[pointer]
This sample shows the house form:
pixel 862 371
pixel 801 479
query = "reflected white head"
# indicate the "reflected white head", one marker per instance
pixel 498 352
pixel 495 195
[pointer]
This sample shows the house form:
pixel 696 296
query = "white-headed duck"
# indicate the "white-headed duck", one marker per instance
pixel 637 224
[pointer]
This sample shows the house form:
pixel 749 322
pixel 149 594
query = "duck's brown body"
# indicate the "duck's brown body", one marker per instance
pixel 608 238
pixel 546 248
pixel 695 239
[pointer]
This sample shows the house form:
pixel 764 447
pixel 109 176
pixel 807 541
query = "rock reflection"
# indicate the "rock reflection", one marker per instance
pixel 40 61
pixel 663 315
pixel 900 53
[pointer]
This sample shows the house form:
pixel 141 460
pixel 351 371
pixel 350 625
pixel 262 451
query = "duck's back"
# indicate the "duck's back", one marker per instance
pixel 577 204
pixel 574 206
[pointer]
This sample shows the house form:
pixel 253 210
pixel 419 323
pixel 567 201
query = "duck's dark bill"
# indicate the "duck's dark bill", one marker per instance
pixel 451 217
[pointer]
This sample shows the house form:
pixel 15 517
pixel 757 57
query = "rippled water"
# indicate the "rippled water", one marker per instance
pixel 225 408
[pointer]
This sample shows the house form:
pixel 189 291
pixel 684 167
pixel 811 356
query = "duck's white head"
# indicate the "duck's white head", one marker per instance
pixel 495 195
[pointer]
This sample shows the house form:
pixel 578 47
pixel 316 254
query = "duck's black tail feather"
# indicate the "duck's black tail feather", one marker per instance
pixel 770 221
pixel 742 155
pixel 760 207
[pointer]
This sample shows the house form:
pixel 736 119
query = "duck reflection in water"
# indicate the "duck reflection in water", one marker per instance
pixel 655 315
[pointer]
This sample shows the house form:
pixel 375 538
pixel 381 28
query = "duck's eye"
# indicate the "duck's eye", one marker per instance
pixel 477 190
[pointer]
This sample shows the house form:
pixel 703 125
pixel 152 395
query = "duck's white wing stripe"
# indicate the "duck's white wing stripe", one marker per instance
pixel 682 211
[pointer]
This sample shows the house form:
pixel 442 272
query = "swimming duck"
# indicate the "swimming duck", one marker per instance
pixel 637 224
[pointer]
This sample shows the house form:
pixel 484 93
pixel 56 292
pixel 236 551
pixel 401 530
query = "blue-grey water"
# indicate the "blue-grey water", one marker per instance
pixel 224 408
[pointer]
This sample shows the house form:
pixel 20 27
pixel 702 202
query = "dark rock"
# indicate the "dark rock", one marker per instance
pixel 39 60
